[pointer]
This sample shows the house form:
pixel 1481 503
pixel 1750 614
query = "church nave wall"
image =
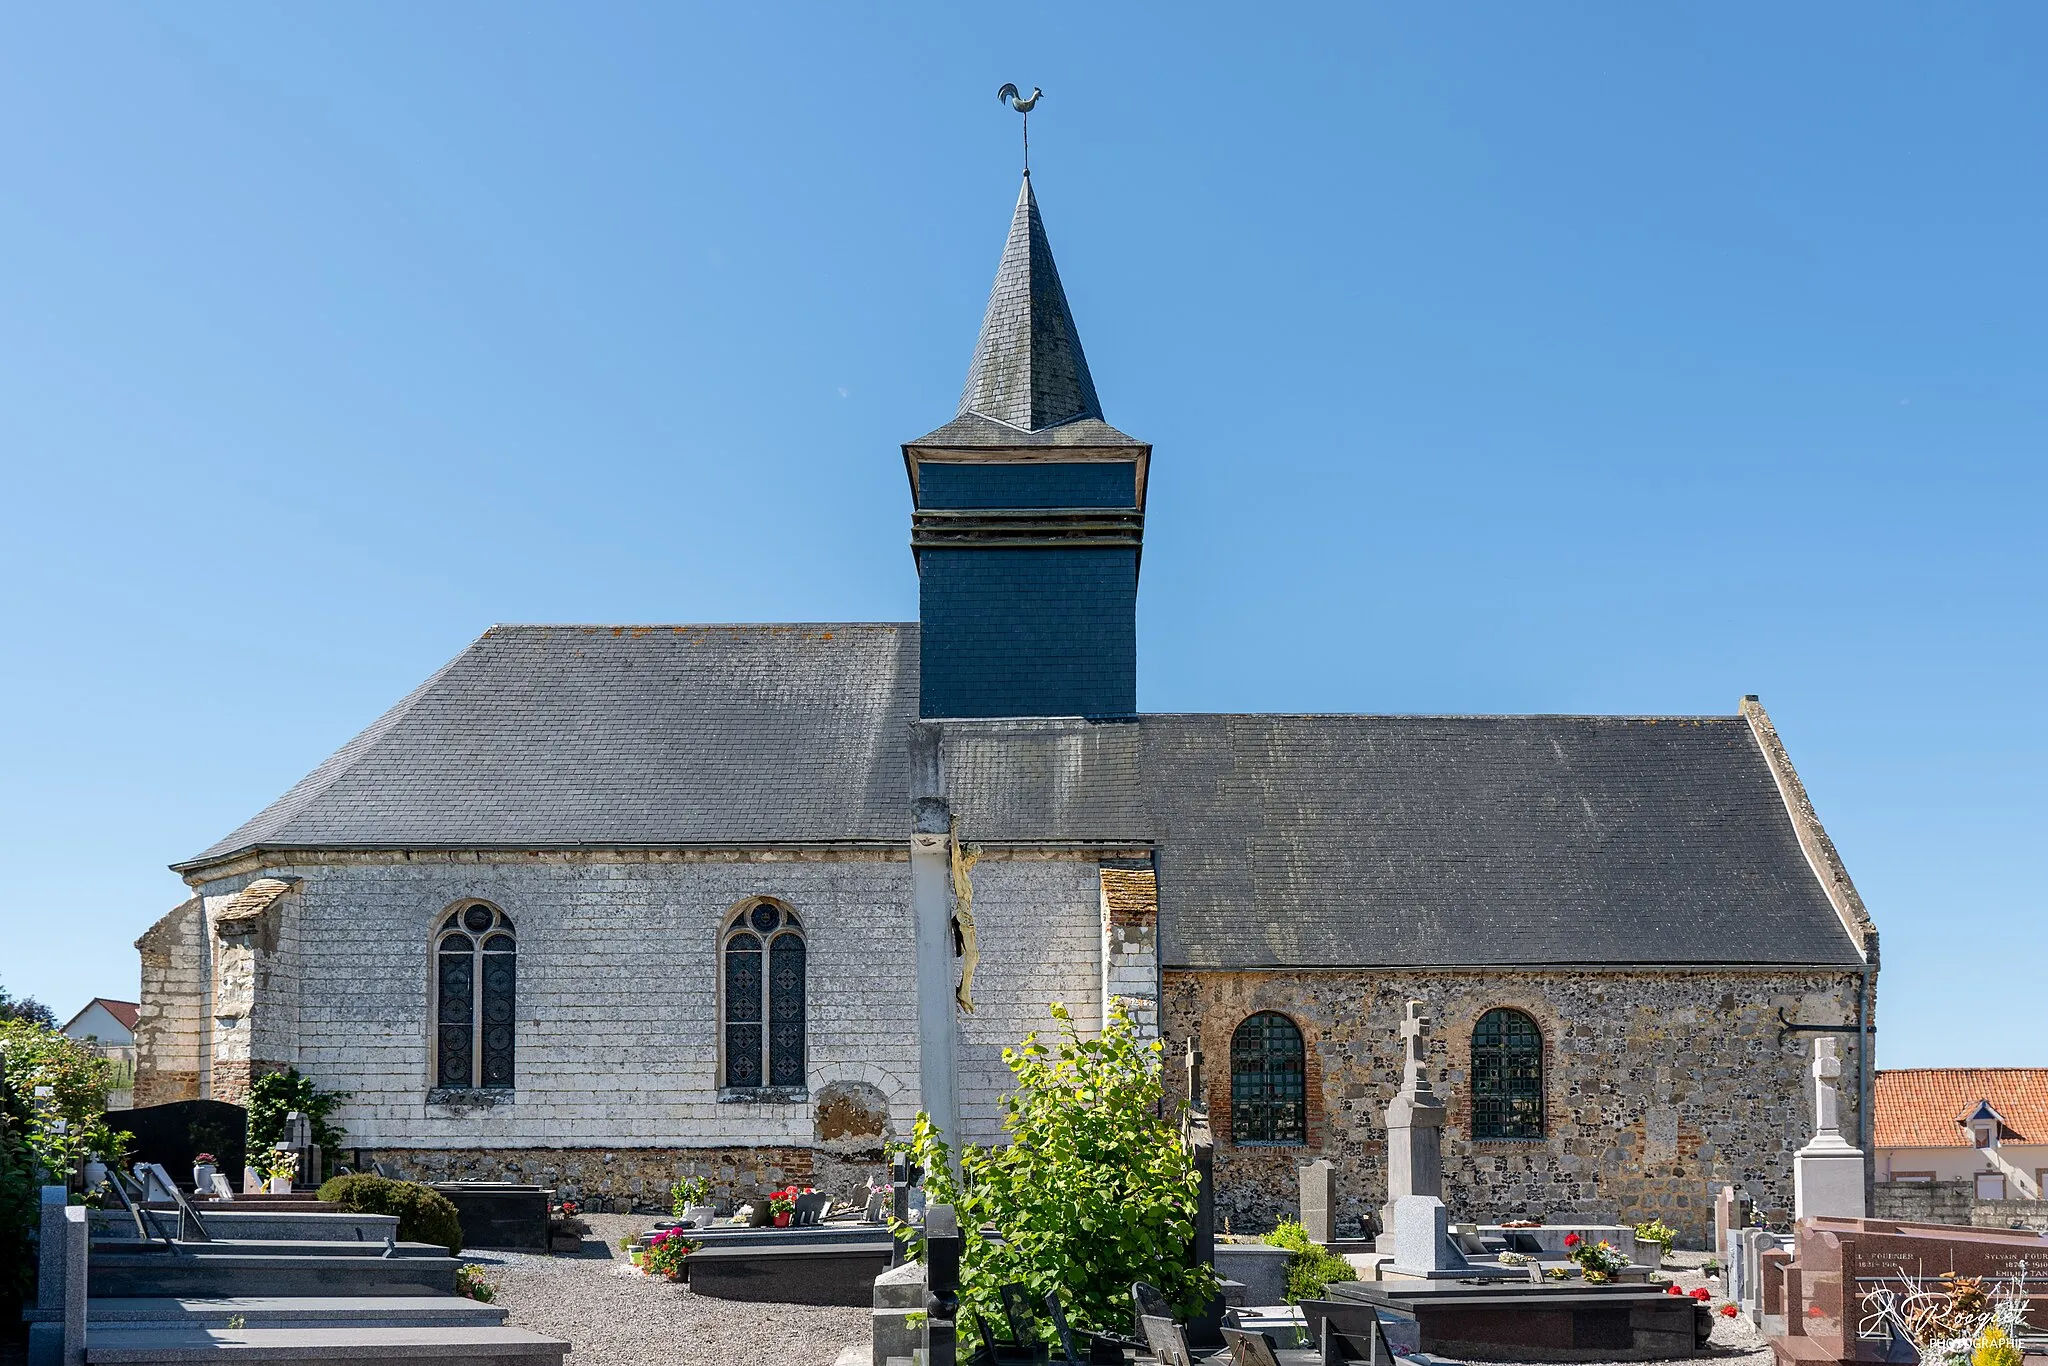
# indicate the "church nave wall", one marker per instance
pixel 617 1029
pixel 1656 1086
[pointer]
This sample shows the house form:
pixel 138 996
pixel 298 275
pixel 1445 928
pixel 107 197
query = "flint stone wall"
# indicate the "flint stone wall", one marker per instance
pixel 618 1179
pixel 1658 1087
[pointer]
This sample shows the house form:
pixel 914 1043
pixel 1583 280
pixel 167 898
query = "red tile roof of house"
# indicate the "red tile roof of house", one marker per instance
pixel 127 1012
pixel 1922 1107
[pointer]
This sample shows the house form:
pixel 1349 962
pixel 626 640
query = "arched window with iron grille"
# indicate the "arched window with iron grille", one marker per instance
pixel 476 978
pixel 1268 1081
pixel 1507 1076
pixel 764 960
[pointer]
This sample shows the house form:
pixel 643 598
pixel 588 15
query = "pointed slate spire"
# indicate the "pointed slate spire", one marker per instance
pixel 1028 370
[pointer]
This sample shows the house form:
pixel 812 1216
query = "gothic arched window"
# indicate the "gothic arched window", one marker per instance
pixel 1268 1090
pixel 763 949
pixel 1507 1076
pixel 476 971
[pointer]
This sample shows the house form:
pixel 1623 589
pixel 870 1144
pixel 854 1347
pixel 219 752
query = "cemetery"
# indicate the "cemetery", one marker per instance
pixel 680 994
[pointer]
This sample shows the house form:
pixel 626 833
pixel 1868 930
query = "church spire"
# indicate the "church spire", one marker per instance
pixel 1029 372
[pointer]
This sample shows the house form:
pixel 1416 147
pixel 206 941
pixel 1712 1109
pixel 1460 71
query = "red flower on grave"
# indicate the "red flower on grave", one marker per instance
pixel 1814 1311
pixel 1701 1295
pixel 1571 1240
pixel 1728 1311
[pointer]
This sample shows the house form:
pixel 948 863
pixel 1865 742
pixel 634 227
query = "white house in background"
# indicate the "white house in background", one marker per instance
pixel 110 1026
pixel 1984 1125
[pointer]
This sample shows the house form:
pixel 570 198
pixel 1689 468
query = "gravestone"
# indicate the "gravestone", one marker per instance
pixel 1824 1315
pixel 298 1141
pixel 1827 1174
pixel 1318 1199
pixel 1422 1240
pixel 943 1247
pixel 1415 1129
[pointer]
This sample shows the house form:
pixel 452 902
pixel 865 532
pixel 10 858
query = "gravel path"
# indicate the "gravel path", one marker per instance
pixel 614 1316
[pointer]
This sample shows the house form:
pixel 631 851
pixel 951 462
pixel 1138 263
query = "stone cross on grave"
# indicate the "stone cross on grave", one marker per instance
pixel 1193 1063
pixel 1827 1174
pixel 1415 1029
pixel 1827 1070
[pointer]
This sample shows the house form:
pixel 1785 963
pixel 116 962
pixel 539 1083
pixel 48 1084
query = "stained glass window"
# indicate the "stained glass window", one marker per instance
pixel 1507 1076
pixel 1268 1084
pixel 764 998
pixel 475 998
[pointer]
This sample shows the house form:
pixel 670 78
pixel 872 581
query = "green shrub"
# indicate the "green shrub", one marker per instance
pixel 1093 1190
pixel 424 1214
pixel 1312 1267
pixel 44 1139
pixel 274 1095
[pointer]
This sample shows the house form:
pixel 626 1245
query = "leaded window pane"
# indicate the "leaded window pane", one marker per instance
pixel 498 943
pixel 500 980
pixel 454 1000
pixel 786 1011
pixel 765 917
pixel 1268 1090
pixel 477 919
pixel 743 1011
pixel 1507 1076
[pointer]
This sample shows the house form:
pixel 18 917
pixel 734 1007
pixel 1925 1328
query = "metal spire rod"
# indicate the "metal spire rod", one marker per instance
pixel 1010 96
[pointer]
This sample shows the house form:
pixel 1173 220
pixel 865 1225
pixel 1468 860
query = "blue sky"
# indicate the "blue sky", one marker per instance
pixel 1498 358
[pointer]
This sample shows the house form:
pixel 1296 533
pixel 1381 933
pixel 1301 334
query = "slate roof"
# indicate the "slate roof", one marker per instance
pixel 661 735
pixel 1923 1107
pixel 1393 840
pixel 1308 841
pixel 1029 375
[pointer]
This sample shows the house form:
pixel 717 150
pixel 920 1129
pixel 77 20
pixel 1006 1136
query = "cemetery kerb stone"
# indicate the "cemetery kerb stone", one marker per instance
pixel 1839 1260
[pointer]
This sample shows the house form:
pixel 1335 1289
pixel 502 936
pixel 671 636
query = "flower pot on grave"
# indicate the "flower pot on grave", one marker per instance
pixel 202 1178
pixel 782 1218
pixel 95 1173
pixel 280 1185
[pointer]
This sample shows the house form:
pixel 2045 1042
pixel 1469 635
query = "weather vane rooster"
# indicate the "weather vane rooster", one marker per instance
pixel 1023 104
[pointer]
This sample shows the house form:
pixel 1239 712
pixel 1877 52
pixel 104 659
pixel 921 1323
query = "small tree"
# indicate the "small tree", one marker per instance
pixel 1094 1189
pixel 274 1095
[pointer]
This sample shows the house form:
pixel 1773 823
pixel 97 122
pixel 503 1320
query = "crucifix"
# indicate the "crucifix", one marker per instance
pixel 1827 1070
pixel 1415 1030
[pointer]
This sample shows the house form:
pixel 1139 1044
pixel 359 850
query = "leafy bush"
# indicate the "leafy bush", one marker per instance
pixel 44 1138
pixel 1312 1267
pixel 424 1214
pixel 689 1191
pixel 1093 1191
pixel 274 1095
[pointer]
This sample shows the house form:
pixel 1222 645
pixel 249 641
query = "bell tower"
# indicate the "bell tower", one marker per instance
pixel 1028 515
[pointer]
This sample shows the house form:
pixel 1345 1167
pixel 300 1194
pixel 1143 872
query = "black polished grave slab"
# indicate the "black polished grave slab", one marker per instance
pixel 1563 1321
pixel 499 1215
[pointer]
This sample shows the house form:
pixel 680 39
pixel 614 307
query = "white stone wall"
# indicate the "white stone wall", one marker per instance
pixel 169 1030
pixel 1038 923
pixel 617 1028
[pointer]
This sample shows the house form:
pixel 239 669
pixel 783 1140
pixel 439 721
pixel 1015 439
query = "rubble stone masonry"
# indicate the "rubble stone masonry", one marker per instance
pixel 1658 1085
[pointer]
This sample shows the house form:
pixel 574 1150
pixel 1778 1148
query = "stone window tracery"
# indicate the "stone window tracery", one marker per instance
pixel 764 961
pixel 1268 1081
pixel 476 972
pixel 1507 1076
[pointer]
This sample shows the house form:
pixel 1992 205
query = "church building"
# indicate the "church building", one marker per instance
pixel 597 906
